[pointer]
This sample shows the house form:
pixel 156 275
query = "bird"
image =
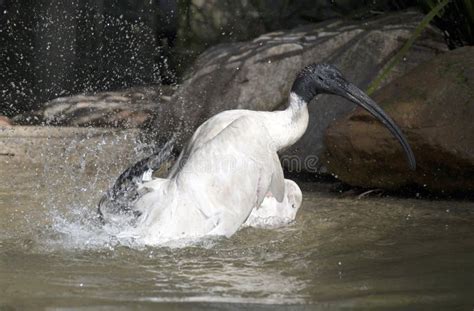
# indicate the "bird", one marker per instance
pixel 274 214
pixel 229 172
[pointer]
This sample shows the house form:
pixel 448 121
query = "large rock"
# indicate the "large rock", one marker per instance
pixel 258 74
pixel 207 22
pixel 129 108
pixel 434 105
pixel 211 21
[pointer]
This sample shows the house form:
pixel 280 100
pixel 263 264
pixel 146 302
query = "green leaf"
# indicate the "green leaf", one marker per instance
pixel 406 47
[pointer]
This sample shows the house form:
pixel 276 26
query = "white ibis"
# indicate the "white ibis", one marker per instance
pixel 230 168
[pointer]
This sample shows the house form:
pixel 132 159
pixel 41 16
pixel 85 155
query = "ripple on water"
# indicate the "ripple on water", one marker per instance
pixel 340 253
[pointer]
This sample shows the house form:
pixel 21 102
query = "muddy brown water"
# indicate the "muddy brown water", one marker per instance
pixel 339 254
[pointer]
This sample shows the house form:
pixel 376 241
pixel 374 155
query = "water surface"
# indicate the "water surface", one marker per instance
pixel 341 253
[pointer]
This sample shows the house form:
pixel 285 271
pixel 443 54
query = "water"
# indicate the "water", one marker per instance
pixel 341 253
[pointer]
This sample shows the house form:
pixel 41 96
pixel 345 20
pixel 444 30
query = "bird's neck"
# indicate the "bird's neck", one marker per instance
pixel 290 124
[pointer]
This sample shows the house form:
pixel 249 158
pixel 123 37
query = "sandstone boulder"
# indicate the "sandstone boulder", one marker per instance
pixel 434 106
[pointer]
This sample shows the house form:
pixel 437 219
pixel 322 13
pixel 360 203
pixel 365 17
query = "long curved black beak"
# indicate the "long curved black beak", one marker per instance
pixel 357 96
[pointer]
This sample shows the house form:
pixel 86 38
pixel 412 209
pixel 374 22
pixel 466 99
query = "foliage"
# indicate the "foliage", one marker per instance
pixel 456 20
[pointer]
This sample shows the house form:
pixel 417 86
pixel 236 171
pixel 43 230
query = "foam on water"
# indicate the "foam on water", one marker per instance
pixel 81 228
pixel 84 231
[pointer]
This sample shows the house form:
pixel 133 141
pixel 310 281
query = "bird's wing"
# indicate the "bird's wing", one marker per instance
pixel 249 139
pixel 277 186
pixel 120 198
pixel 260 144
pixel 205 133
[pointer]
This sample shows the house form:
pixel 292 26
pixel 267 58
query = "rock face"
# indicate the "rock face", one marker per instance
pixel 434 106
pixel 129 108
pixel 208 22
pixel 212 21
pixel 258 74
pixel 5 122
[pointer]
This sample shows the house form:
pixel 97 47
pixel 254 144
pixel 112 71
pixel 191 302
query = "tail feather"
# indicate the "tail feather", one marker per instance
pixel 119 199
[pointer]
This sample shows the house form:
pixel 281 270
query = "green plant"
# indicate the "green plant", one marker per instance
pixel 435 11
pixel 455 19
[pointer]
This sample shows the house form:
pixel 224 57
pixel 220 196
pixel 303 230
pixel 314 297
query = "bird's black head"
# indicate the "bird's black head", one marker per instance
pixel 317 79
pixel 326 79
